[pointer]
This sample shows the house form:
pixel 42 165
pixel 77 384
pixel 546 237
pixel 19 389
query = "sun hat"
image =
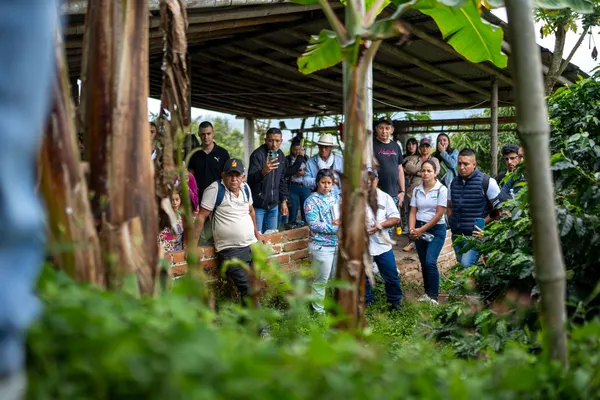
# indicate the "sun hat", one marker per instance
pixel 327 139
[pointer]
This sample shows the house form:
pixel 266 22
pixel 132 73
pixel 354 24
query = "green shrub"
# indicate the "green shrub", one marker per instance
pixel 90 344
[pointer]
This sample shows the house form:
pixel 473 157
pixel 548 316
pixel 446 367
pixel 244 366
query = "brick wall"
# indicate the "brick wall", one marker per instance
pixel 289 248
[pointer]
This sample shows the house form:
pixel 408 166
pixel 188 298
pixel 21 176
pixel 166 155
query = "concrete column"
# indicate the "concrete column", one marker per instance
pixel 75 92
pixel 248 140
pixel 369 116
pixel 494 123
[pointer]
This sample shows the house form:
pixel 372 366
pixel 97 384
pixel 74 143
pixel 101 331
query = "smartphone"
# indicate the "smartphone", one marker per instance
pixel 273 155
pixel 480 222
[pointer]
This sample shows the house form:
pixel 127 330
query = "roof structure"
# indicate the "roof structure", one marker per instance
pixel 244 52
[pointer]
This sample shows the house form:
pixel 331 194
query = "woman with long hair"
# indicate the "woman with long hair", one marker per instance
pixel 295 164
pixel 322 215
pixel 448 158
pixel 412 169
pixel 411 149
pixel 428 227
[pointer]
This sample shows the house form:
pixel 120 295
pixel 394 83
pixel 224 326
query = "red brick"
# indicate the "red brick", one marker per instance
pixel 177 257
pixel 299 255
pixel 178 270
pixel 281 259
pixel 209 252
pixel 297 245
pixel 276 249
pixel 294 234
pixel 278 237
pixel 209 263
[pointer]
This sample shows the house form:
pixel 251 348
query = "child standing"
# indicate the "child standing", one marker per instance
pixel 322 215
pixel 171 236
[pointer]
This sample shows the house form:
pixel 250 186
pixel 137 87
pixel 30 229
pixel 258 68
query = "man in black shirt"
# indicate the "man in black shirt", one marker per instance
pixel 389 156
pixel 207 164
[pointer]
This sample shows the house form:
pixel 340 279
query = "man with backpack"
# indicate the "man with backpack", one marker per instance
pixel 228 202
pixel 470 197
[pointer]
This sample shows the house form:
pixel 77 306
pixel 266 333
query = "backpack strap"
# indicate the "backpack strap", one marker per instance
pixel 221 194
pixel 486 185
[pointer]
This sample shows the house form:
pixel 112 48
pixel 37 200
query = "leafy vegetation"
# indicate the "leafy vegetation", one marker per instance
pixel 507 247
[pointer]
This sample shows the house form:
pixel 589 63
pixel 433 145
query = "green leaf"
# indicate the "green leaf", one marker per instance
pixel 369 4
pixel 322 52
pixel 581 6
pixel 466 32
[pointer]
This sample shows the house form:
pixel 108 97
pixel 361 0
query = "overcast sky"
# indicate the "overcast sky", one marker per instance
pixel 582 58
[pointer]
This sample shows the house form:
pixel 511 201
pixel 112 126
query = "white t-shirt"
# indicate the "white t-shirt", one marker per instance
pixel 232 223
pixel 386 209
pixel 492 192
pixel 427 203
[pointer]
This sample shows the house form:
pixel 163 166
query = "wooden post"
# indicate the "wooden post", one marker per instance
pixel 369 119
pixel 75 92
pixel 494 123
pixel 248 140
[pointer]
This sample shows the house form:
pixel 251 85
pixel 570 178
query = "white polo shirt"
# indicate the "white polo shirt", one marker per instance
pixel 386 209
pixel 426 203
pixel 232 223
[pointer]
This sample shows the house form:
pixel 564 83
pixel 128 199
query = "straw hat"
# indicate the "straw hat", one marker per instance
pixel 327 139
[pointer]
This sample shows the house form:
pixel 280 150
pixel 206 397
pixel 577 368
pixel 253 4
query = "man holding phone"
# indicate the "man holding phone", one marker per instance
pixel 266 178
pixel 470 197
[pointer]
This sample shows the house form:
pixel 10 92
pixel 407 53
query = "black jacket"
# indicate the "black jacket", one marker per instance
pixel 271 189
pixel 292 167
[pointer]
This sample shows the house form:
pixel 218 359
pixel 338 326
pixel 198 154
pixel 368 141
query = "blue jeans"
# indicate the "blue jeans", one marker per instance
pixel 324 262
pixel 267 219
pixel 468 258
pixel 298 195
pixel 27 34
pixel 428 255
pixel 386 263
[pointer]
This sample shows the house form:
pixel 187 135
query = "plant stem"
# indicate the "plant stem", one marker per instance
pixel 335 22
pixel 534 130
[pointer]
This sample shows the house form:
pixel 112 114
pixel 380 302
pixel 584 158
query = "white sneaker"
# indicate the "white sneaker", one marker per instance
pixel 435 302
pixel 424 298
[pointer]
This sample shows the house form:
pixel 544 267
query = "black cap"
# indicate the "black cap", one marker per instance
pixel 233 164
pixel 383 120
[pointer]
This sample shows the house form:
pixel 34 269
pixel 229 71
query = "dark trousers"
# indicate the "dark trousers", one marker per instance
pixel 238 274
pixel 298 195
pixel 386 263
pixel 428 255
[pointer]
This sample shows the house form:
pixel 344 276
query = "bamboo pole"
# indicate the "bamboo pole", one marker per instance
pixel 534 131
pixel 494 126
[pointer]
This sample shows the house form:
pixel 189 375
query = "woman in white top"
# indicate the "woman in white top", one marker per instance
pixel 427 226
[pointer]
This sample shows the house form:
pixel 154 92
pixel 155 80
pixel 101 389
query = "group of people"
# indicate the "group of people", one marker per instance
pixel 434 190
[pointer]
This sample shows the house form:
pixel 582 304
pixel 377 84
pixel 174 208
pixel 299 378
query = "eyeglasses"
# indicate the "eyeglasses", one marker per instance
pixel 512 158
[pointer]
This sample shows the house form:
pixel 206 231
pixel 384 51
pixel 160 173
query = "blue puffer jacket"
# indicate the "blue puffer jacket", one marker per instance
pixel 469 202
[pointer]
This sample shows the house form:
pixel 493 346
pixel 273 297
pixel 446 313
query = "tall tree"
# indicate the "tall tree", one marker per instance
pixel 559 23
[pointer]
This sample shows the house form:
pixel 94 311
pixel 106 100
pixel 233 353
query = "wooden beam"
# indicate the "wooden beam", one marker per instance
pixel 494 121
pixel 446 47
pixel 403 75
pixel 215 83
pixel 296 54
pixel 289 68
pixel 403 55
pixel 475 121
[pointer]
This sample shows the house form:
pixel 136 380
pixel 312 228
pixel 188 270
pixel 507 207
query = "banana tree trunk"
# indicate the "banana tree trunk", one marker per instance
pixel 534 131
pixel 350 260
pixel 115 117
pixel 72 232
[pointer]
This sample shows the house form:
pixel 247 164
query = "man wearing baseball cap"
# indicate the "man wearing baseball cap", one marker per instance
pixel 389 156
pixel 228 202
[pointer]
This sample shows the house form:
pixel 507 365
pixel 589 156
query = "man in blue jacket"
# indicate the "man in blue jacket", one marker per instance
pixel 470 196
pixel 266 178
